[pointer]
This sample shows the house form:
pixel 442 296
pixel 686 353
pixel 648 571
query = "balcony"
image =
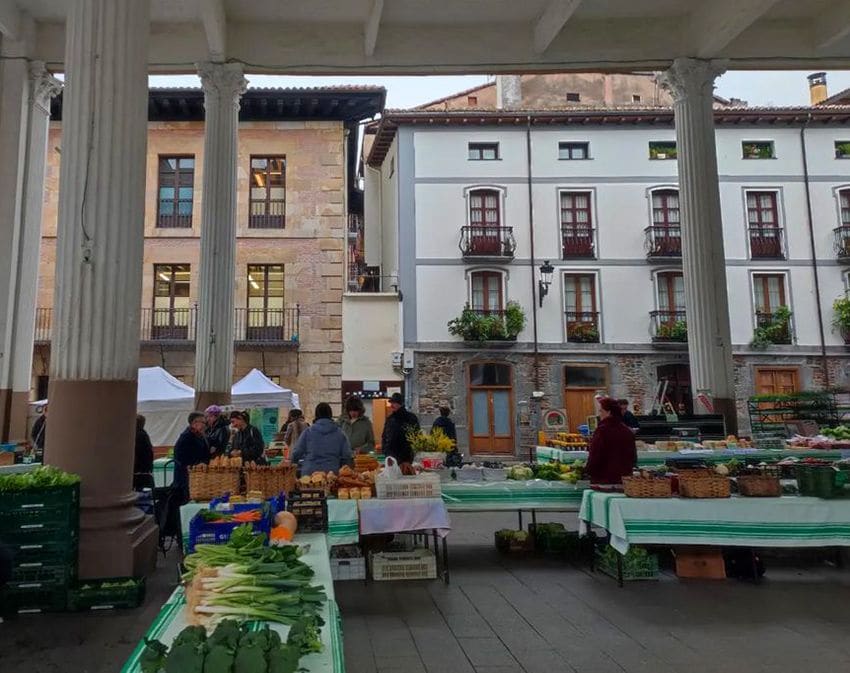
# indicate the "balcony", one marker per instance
pixel 174 221
pixel 279 326
pixel 766 243
pixel 776 327
pixel 169 324
pixel 367 280
pixel 483 242
pixel 669 327
pixel 842 242
pixel 577 242
pixel 583 327
pixel 663 243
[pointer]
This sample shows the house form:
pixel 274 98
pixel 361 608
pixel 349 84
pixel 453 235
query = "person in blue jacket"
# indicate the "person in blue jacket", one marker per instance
pixel 191 449
pixel 322 447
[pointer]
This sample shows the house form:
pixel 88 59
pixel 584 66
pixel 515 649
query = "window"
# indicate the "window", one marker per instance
pixel 170 314
pixel 268 192
pixel 581 313
pixel 176 183
pixel 489 374
pixel 275 378
pixel 491 408
pixel 664 236
pixel 752 149
pixel 581 383
pixel 485 236
pixel 576 225
pixel 769 290
pixel 662 149
pixel 484 210
pixel 483 151
pixel 487 292
pixel 844 207
pixel 842 149
pixel 586 376
pixel 471 101
pixel 635 98
pixel 763 224
pixel 266 316
pixel 573 97
pixel 568 151
pixel 671 291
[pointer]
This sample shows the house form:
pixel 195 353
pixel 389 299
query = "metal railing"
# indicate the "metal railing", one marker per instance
pixel 371 283
pixel 782 335
pixel 169 324
pixel 577 241
pixel 487 241
pixel 270 214
pixel 669 326
pixel 43 331
pixel 842 241
pixel 487 312
pixel 663 241
pixel 174 221
pixel 267 325
pixel 582 326
pixel 766 243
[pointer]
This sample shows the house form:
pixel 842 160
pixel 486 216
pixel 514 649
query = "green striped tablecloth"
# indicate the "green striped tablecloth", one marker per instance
pixel 343 522
pixel 790 521
pixel 547 454
pixel 512 496
pixel 171 618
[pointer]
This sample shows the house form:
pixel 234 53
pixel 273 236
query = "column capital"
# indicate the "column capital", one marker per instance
pixel 223 80
pixel 43 86
pixel 690 77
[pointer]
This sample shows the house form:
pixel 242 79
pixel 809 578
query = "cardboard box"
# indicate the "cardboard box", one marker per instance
pixel 704 563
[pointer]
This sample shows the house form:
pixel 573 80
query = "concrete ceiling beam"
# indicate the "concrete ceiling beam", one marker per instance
pixel 10 19
pixel 215 28
pixel 551 22
pixel 831 26
pixel 715 25
pixel 373 24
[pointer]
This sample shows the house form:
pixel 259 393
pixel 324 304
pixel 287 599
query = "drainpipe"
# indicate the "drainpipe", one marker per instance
pixel 536 375
pixel 810 222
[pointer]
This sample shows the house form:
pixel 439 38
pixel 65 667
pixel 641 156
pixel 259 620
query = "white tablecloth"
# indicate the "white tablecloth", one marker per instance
pixel 403 515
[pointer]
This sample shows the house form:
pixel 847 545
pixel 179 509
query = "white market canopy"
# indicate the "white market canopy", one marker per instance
pixel 447 36
pixel 160 391
pixel 258 390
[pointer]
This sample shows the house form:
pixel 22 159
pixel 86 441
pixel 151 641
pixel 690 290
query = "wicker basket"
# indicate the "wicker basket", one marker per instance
pixel 759 486
pixel 271 481
pixel 206 483
pixel 640 487
pixel 705 485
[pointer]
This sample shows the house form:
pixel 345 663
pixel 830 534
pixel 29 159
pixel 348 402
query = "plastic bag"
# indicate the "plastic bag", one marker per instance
pixel 391 471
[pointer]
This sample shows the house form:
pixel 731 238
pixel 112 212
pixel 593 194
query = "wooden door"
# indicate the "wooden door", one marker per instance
pixel 579 404
pixel 491 418
pixel 581 384
pixel 776 380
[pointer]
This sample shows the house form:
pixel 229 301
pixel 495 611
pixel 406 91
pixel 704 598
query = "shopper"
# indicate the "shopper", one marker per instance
pixel 446 424
pixel 629 418
pixel 612 454
pixel 191 449
pixel 143 463
pixel 247 442
pixel 357 427
pixel 294 426
pixel 394 439
pixel 218 430
pixel 323 447
pixel 39 434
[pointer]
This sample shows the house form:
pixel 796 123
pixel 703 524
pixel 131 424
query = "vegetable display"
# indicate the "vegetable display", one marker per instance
pixel 39 478
pixel 232 649
pixel 570 472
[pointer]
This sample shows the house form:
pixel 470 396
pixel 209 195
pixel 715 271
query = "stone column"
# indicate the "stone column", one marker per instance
pixel 691 83
pixel 97 300
pixel 42 87
pixel 223 85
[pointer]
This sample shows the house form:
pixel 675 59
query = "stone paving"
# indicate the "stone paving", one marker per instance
pixel 513 615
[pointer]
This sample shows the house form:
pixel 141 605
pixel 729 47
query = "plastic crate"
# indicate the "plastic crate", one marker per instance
pixel 470 474
pixel 634 568
pixel 54 551
pixel 33 598
pixel 410 487
pixel 419 564
pixel 822 481
pixel 343 569
pixel 39 508
pixel 204 532
pixel 44 573
pixel 98 595
pixel 40 533
pixel 310 507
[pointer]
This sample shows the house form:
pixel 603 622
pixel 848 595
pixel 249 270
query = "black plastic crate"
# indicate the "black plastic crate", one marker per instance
pixel 310 507
pixel 59 505
pixel 44 573
pixel 54 551
pixel 41 533
pixel 33 598
pixel 107 594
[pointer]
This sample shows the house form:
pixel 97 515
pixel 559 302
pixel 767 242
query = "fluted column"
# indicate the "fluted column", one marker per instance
pixel 691 83
pixel 42 87
pixel 223 87
pixel 97 300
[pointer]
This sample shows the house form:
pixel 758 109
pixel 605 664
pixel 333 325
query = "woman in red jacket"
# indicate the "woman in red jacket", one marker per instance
pixel 612 454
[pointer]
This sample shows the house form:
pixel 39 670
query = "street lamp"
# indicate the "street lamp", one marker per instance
pixel 546 271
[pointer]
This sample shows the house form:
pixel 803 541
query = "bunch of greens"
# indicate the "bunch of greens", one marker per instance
pixel 39 478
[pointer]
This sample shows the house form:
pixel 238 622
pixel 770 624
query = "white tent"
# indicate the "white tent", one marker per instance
pixel 256 390
pixel 165 403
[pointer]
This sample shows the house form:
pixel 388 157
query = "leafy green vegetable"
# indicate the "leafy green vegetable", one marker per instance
pixel 153 656
pixel 304 635
pixel 186 657
pixel 220 659
pixel 43 477
pixel 284 660
pixel 250 658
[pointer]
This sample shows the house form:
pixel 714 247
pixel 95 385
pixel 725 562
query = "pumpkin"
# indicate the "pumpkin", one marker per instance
pixel 287 521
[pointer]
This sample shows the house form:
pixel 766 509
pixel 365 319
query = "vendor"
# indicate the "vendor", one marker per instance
pixel 322 447
pixel 357 427
pixel 247 442
pixel 191 449
pixel 629 418
pixel 612 454
pixel 395 440
pixel 218 430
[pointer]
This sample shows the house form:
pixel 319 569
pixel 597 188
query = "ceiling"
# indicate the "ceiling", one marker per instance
pixel 467 36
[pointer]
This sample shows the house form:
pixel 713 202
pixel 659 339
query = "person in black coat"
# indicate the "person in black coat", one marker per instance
pixel 446 424
pixel 191 449
pixel 143 463
pixel 248 441
pixel 629 418
pixel 394 441
pixel 218 430
pixel 38 434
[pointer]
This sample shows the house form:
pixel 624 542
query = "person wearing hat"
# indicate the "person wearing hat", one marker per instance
pixel 612 454
pixel 394 440
pixel 218 430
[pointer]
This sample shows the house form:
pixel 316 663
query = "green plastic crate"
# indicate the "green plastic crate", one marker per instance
pixel 93 595
pixel 822 481
pixel 54 551
pixel 634 567
pixel 42 573
pixel 33 598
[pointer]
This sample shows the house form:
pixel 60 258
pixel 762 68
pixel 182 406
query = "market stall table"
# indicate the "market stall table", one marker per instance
pixel 547 454
pixel 172 618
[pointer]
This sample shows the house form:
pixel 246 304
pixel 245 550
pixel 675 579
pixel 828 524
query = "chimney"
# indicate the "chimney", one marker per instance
pixel 508 92
pixel 817 88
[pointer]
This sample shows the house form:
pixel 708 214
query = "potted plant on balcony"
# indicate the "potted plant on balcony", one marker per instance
pixel 474 327
pixel 776 330
pixel 841 319
pixel 842 150
pixel 583 332
pixel 676 331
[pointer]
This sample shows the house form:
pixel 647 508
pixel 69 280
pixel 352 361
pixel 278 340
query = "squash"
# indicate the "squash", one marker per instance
pixel 280 535
pixel 287 521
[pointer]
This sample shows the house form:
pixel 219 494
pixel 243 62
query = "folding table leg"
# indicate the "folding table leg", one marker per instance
pixel 445 561
pixel 519 512
pixel 620 570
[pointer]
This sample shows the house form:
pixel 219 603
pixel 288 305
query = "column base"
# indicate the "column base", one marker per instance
pixel 730 414
pixel 91 432
pixel 18 412
pixel 204 399
pixel 5 412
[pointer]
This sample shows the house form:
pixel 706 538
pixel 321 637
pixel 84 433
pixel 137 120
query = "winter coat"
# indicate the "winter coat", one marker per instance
pixel 322 447
pixel 249 442
pixel 143 463
pixel 394 441
pixel 39 432
pixel 190 449
pixel 294 430
pixel 447 425
pixel 359 433
pixel 218 436
pixel 612 454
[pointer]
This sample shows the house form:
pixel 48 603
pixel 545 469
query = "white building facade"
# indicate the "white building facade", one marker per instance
pixel 448 209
